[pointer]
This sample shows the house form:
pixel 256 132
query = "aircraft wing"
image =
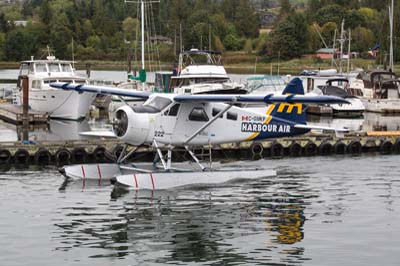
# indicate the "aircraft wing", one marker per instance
pixel 269 98
pixel 100 90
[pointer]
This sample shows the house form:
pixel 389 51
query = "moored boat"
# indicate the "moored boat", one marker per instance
pixel 59 104
pixel 378 90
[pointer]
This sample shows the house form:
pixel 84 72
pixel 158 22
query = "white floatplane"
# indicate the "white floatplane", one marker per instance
pixel 174 120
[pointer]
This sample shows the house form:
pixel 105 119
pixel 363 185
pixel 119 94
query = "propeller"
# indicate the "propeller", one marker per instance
pixel 120 123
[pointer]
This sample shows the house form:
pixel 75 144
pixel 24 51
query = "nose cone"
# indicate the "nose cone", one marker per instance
pixel 131 127
pixel 120 123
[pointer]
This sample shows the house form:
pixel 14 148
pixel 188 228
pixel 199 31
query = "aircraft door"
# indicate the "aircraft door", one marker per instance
pixel 168 122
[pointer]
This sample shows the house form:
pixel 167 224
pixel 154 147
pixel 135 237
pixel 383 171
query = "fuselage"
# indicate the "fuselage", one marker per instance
pixel 177 124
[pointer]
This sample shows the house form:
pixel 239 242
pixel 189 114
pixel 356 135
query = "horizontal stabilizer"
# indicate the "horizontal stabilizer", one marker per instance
pixel 338 131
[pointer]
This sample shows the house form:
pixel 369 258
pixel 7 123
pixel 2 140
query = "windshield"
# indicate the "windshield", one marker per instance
pixel 158 103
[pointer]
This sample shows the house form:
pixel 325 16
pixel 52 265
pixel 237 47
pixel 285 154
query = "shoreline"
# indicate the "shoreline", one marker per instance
pixel 292 67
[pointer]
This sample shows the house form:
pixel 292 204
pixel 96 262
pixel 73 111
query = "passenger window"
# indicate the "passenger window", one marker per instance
pixel 36 84
pixel 232 116
pixel 173 111
pixel 198 114
pixel 215 111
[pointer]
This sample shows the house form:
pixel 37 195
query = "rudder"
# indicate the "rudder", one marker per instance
pixel 294 112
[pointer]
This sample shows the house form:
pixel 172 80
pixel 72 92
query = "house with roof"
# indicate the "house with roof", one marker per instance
pixel 326 53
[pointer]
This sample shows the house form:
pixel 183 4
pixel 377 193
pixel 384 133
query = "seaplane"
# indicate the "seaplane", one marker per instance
pixel 166 121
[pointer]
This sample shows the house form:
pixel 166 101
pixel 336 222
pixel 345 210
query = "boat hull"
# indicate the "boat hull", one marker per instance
pixel 384 106
pixel 60 104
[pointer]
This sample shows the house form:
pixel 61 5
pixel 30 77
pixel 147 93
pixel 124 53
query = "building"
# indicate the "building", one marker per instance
pixel 326 53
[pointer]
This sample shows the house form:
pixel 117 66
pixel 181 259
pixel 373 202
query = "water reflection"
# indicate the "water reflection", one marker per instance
pixel 369 122
pixel 196 225
pixel 54 131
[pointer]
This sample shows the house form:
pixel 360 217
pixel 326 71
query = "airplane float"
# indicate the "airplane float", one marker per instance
pixel 171 120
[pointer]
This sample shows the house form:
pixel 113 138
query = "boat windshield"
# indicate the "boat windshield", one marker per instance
pixel 40 67
pixel 66 68
pixel 53 67
pixel 158 103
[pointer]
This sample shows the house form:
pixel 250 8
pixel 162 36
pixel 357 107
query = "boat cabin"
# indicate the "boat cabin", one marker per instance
pixel 376 84
pixel 198 66
pixel 43 72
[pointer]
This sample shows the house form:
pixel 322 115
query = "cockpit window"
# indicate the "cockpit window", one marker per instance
pixel 173 111
pixel 158 103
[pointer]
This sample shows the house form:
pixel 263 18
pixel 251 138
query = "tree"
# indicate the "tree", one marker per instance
pixel 218 46
pixel 246 21
pixel 286 8
pixel 4 25
pixel 362 39
pixel 20 45
pixel 248 46
pixel 328 32
pixel 130 27
pixel 45 13
pixel 330 13
pixel 233 42
pixel 289 38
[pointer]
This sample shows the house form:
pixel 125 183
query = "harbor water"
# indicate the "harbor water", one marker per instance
pixel 337 210
pixel 315 211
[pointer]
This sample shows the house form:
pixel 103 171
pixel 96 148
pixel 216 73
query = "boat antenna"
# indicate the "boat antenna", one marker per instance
pixel 72 48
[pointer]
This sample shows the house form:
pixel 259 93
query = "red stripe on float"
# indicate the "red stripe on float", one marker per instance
pixel 134 176
pixel 152 180
pixel 99 171
pixel 83 172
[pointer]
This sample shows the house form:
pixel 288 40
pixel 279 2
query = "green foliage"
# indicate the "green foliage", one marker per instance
pixel 218 46
pixel 100 28
pixel 233 42
pixel 289 38
pixel 330 13
pixel 248 46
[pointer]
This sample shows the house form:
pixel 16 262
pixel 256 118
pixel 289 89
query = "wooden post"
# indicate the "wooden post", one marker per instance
pixel 25 107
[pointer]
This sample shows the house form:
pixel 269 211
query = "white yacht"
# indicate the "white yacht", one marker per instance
pixel 201 71
pixel 57 103
pixel 379 91
pixel 338 87
pixel 198 72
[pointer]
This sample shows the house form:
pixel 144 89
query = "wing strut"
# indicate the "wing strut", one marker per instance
pixel 207 124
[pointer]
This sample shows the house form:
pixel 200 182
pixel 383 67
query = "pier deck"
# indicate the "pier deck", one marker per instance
pixel 107 150
pixel 14 114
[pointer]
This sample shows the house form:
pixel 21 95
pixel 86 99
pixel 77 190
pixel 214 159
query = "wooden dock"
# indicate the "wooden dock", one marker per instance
pixel 107 150
pixel 14 114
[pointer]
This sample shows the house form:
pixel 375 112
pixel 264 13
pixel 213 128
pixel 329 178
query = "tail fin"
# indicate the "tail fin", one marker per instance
pixel 293 112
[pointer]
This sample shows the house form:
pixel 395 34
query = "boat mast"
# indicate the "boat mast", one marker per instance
pixel 348 54
pixel 142 24
pixel 391 63
pixel 142 73
pixel 341 40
